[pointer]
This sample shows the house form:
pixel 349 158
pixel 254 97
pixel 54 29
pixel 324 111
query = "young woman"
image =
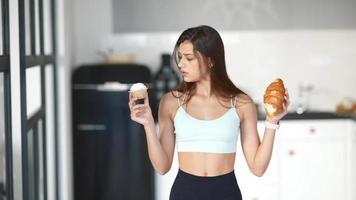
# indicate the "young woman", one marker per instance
pixel 204 117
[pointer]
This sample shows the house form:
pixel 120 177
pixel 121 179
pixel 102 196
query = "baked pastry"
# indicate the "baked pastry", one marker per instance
pixel 273 98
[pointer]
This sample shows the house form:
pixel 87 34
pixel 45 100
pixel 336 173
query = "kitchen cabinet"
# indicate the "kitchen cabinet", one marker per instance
pixel 312 159
pixel 312 170
pixel 351 157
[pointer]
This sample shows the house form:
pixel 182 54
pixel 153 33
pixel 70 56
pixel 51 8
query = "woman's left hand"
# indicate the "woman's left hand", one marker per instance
pixel 275 119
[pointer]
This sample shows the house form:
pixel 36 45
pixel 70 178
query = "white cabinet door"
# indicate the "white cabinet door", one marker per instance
pixel 312 170
pixel 353 163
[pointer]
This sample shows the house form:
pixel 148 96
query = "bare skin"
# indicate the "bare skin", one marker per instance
pixel 161 145
pixel 199 163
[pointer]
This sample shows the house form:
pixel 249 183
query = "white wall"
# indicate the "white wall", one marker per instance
pixel 90 20
pixel 323 58
pixel 161 15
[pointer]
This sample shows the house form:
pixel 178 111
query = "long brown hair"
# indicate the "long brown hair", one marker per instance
pixel 207 41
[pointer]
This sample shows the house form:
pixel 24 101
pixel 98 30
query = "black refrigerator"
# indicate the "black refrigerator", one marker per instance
pixel 110 157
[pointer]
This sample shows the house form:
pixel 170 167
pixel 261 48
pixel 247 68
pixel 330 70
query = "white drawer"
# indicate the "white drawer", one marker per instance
pixel 312 129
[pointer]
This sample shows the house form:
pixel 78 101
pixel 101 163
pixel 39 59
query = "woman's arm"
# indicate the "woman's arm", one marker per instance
pixel 161 145
pixel 257 154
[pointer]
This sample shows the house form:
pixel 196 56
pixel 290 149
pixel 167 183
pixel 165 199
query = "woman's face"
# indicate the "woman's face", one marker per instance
pixel 191 64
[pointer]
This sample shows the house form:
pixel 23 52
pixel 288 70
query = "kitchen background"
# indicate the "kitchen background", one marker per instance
pixel 311 45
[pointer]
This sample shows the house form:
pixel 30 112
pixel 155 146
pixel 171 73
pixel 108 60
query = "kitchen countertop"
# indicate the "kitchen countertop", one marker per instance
pixel 313 115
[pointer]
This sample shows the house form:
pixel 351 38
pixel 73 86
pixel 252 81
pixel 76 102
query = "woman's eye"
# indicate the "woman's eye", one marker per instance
pixel 190 59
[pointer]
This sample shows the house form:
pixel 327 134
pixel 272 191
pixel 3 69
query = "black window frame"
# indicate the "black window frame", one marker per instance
pixel 5 69
pixel 31 123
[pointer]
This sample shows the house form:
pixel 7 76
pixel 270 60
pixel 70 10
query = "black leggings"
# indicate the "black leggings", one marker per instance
pixel 191 187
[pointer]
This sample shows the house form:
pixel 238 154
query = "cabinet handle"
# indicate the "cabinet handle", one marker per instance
pixel 312 131
pixel 291 152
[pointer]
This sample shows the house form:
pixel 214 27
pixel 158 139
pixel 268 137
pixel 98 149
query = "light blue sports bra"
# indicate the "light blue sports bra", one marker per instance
pixel 213 136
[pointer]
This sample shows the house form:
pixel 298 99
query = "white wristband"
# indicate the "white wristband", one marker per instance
pixel 270 125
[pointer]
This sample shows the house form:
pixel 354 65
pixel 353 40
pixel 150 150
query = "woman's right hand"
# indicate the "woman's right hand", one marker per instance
pixel 141 113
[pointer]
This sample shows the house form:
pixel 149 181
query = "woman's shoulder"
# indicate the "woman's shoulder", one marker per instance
pixel 169 97
pixel 243 98
pixel 246 106
pixel 169 101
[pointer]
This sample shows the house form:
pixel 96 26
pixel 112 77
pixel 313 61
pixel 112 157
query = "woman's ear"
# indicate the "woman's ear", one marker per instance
pixel 210 62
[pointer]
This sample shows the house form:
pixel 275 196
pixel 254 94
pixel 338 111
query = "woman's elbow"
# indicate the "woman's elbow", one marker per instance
pixel 163 171
pixel 258 174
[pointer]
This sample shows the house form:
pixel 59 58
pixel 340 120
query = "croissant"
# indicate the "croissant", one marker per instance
pixel 273 98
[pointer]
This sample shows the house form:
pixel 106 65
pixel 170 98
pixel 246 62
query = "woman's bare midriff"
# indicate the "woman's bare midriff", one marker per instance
pixel 206 164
